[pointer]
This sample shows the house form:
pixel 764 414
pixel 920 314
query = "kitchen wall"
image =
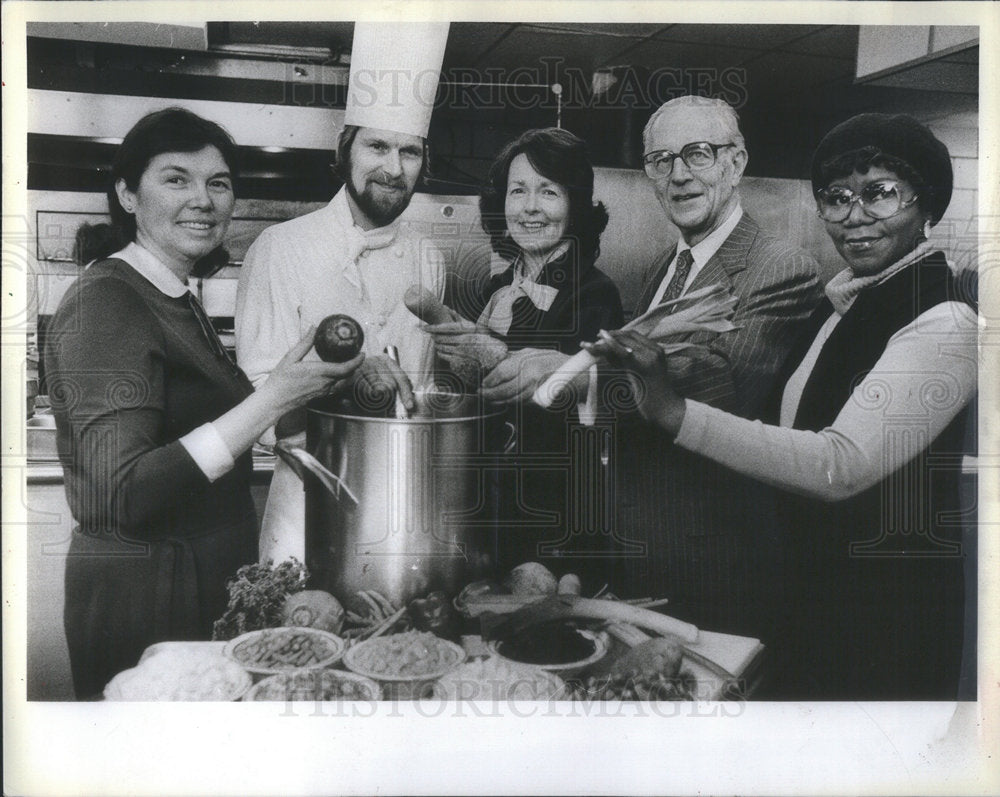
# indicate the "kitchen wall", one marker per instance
pixel 636 236
pixel 958 231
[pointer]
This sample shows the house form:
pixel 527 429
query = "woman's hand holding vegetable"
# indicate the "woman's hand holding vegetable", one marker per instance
pixel 292 383
pixel 646 364
pixel 470 351
pixel 517 376
pixel 296 381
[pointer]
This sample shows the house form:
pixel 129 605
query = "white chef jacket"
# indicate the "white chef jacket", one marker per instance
pixel 297 273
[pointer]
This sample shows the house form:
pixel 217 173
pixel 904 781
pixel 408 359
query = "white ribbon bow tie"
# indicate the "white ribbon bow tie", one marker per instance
pixel 498 314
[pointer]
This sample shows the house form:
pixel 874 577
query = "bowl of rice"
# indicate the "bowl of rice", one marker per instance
pixel 180 676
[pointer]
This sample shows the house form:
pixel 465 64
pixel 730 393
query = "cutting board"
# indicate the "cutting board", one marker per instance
pixel 739 655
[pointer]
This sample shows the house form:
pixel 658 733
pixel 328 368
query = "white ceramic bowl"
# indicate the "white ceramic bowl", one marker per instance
pixel 315 685
pixel 274 650
pixel 405 664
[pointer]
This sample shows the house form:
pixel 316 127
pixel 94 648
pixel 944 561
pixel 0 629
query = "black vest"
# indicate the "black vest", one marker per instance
pixel 860 337
pixel 879 576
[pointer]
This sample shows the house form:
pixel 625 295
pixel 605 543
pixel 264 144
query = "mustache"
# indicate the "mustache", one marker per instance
pixel 386 180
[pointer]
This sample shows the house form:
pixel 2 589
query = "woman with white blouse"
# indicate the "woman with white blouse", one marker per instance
pixel 154 421
pixel 877 411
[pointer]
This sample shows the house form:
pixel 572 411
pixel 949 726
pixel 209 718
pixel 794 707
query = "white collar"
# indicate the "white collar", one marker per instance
pixel 705 250
pixel 149 266
pixel 844 288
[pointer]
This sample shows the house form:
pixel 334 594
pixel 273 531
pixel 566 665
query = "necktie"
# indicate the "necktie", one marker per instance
pixel 209 333
pixel 676 285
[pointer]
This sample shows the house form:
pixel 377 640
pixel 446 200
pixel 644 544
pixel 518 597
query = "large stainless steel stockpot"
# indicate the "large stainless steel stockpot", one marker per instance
pixel 403 506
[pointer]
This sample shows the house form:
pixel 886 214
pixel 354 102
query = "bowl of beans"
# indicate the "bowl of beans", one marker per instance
pixel 275 650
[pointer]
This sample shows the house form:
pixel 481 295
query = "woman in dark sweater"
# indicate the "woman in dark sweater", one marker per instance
pixel 543 296
pixel 877 411
pixel 154 420
pixel 543 290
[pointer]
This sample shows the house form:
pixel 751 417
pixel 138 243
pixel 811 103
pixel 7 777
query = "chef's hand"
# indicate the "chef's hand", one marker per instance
pixel 646 365
pixel 379 380
pixel 520 373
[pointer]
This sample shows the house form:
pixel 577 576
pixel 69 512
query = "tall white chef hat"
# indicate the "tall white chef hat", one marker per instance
pixel 395 69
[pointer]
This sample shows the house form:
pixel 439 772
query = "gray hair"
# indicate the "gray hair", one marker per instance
pixel 726 113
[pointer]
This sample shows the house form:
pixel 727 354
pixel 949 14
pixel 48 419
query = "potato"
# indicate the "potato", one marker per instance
pixel 657 656
pixel 476 356
pixel 484 349
pixel 531 578
pixel 426 306
pixel 469 372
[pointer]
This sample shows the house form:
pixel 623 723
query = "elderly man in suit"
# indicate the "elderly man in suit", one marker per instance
pixel 695 156
pixel 684 528
pixel 710 543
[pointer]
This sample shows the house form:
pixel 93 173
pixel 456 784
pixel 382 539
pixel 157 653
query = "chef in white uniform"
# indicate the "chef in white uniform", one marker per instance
pixel 353 256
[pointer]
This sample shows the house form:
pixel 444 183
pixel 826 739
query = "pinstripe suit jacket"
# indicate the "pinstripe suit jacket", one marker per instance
pixel 776 288
pixel 709 536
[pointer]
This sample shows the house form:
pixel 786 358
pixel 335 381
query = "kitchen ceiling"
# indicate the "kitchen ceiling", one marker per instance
pixel 804 61
pixel 817 56
pixel 790 83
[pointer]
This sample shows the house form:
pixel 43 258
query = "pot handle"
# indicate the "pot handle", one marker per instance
pixel 300 460
pixel 511 443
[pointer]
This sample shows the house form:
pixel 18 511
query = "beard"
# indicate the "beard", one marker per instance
pixel 381 208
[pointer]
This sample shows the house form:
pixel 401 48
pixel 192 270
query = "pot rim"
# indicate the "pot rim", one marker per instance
pixel 409 421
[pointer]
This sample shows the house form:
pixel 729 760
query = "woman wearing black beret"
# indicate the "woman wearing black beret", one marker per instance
pixel 877 411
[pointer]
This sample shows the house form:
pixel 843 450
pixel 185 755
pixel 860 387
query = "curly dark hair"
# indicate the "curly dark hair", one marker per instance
pixel 557 155
pixel 170 130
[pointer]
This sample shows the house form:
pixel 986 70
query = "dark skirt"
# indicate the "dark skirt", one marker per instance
pixel 125 595
pixel 874 615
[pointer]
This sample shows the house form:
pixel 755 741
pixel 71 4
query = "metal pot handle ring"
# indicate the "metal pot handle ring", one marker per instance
pixel 300 460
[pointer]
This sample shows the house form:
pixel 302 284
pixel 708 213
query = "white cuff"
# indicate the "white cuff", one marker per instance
pixel 694 425
pixel 209 451
pixel 587 411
